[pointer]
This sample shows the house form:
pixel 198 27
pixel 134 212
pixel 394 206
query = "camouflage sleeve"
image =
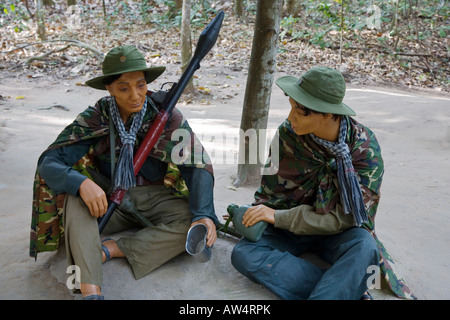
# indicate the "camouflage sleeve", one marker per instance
pixel 370 172
pixel 55 167
pixel 303 220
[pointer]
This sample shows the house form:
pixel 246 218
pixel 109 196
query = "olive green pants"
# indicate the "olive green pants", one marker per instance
pixel 146 250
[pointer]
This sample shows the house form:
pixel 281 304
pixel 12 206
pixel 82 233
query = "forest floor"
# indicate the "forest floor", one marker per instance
pixel 37 101
pixel 367 56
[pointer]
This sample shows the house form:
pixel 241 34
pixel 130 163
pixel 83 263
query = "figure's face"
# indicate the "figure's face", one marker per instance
pixel 301 124
pixel 130 91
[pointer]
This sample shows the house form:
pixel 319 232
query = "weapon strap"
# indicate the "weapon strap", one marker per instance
pixel 112 146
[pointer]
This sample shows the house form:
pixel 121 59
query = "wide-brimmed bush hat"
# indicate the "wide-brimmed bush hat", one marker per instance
pixel 124 59
pixel 320 89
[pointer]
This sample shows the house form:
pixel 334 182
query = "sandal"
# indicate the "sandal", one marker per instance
pixel 366 296
pixel 94 297
pixel 105 250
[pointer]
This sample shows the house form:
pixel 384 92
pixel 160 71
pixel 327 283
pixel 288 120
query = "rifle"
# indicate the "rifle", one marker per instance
pixel 205 43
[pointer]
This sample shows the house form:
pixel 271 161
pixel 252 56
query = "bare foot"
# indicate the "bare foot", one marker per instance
pixel 88 289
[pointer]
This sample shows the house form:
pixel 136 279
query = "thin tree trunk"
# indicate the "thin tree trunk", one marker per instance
pixel 342 31
pixel 394 28
pixel 259 85
pixel 238 8
pixel 39 17
pixel 175 8
pixel 291 7
pixel 104 8
pixel 186 44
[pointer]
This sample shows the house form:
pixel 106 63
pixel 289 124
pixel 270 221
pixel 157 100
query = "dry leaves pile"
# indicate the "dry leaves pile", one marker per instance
pixel 72 51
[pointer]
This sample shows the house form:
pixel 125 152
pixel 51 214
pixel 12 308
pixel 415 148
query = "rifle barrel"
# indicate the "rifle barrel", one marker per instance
pixel 104 220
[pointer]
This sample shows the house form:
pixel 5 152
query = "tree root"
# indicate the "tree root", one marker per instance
pixel 99 55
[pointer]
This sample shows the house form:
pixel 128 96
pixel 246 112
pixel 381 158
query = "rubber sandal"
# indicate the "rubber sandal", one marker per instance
pixel 106 251
pixel 94 297
pixel 366 296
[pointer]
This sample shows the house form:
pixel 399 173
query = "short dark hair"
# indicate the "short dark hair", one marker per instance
pixel 307 111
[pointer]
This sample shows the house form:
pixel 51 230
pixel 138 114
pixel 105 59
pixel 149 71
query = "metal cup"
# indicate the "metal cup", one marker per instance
pixel 196 243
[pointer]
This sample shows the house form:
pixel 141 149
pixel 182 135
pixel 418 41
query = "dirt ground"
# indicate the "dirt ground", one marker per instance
pixel 413 128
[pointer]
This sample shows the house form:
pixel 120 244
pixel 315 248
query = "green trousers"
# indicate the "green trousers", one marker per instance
pixel 145 250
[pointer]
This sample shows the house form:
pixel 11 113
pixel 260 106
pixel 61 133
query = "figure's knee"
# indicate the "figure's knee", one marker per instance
pixel 367 245
pixel 238 257
pixel 73 205
pixel 76 214
pixel 244 257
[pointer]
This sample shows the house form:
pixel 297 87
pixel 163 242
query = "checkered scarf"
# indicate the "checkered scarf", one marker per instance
pixel 349 189
pixel 124 177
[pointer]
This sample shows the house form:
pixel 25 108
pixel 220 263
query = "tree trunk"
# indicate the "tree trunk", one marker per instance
pixel 291 8
pixel 257 93
pixel 175 8
pixel 104 8
pixel 342 31
pixel 39 16
pixel 238 8
pixel 186 45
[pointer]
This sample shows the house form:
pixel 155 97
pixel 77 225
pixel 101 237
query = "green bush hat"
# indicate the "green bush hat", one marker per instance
pixel 320 89
pixel 124 59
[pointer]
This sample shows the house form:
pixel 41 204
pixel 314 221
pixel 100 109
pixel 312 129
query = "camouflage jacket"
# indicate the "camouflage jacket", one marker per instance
pixel 47 207
pixel 307 175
